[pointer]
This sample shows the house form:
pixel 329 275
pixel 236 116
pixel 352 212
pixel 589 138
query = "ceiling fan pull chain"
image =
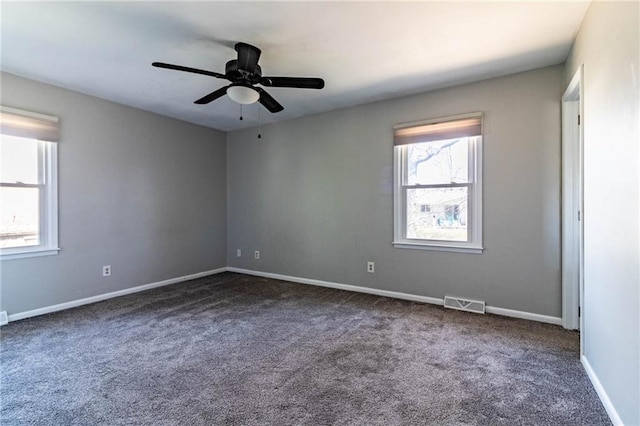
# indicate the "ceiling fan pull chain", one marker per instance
pixel 241 113
pixel 259 123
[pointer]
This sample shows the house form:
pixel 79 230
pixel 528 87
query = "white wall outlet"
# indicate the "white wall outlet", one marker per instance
pixel 256 254
pixel 239 253
pixel 106 271
pixel 371 267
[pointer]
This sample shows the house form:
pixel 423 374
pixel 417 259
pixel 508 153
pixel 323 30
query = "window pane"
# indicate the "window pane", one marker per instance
pixel 19 219
pixel 18 160
pixel 437 214
pixel 438 162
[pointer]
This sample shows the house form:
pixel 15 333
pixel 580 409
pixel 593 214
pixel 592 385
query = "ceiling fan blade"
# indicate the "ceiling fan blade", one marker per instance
pixel 188 69
pixel 247 57
pixel 268 102
pixel 212 96
pixel 296 82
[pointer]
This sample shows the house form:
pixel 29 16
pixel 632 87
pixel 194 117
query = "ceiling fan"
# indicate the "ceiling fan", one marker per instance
pixel 244 73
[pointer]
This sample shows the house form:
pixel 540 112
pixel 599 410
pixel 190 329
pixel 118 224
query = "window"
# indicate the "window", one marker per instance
pixel 437 184
pixel 28 184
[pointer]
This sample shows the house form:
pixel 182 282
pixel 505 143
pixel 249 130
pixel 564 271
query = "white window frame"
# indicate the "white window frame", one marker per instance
pixel 48 189
pixel 474 220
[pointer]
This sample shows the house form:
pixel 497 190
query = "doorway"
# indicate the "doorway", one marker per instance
pixel 572 205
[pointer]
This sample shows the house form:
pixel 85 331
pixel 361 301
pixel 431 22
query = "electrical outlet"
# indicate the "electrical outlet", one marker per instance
pixel 106 271
pixel 371 267
pixel 239 253
pixel 256 254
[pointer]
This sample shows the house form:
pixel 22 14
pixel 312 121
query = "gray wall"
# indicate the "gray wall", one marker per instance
pixel 143 193
pixel 314 195
pixel 608 45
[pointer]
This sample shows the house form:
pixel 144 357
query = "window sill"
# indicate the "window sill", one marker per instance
pixel 30 253
pixel 438 247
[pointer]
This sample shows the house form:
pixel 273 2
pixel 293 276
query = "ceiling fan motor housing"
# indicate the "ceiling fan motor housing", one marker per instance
pixel 237 75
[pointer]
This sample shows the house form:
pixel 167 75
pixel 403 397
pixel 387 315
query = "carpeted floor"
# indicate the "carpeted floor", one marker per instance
pixel 232 349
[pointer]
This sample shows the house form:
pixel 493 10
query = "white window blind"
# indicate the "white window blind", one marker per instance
pixel 405 134
pixel 29 125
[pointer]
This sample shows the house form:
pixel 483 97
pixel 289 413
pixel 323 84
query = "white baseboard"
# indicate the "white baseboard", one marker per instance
pixel 105 296
pixel 4 319
pixel 396 295
pixel 523 315
pixel 602 394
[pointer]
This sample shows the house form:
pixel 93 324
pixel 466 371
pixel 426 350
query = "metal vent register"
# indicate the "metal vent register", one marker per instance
pixel 476 306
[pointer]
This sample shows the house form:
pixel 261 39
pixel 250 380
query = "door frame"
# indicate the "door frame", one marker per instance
pixel 572 204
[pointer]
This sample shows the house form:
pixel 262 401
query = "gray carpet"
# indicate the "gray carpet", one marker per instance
pixel 232 349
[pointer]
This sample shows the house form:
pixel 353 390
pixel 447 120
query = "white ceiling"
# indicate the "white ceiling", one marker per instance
pixel 365 51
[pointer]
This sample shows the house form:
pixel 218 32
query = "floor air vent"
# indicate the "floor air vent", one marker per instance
pixel 464 304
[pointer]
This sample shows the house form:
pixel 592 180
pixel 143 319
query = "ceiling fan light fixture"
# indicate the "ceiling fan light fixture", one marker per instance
pixel 243 94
